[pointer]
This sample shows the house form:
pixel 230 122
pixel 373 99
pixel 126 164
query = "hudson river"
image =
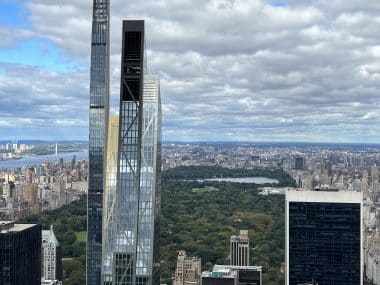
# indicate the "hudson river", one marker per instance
pixel 39 159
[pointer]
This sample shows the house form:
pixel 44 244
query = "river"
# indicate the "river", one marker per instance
pixel 40 159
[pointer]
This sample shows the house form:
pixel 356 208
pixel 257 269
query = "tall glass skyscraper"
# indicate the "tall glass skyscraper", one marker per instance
pixel 98 117
pixel 132 193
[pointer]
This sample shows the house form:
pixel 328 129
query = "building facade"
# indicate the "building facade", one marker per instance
pixel 132 197
pixel 98 122
pixel 188 270
pixel 324 237
pixel 51 256
pixel 239 249
pixel 299 163
pixel 20 254
pixel 372 258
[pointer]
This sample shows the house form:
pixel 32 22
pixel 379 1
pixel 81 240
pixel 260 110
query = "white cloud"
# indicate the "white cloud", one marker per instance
pixel 239 69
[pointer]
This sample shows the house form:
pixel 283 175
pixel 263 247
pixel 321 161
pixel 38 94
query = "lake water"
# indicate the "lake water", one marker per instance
pixel 39 159
pixel 256 180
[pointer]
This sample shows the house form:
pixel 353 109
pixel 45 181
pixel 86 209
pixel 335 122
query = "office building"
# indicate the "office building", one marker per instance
pixel 324 237
pixel 132 192
pixel 20 254
pixel 233 275
pixel 299 163
pixel 239 249
pixel 372 258
pixel 188 270
pixel 31 196
pixel 225 277
pixel 98 122
pixel 375 173
pixel 51 256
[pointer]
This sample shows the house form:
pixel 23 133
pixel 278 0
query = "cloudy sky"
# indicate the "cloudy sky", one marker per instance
pixel 247 70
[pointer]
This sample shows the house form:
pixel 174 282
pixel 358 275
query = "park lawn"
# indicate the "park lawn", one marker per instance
pixel 205 189
pixel 81 236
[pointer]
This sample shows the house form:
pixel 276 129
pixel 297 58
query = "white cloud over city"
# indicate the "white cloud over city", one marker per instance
pixel 248 70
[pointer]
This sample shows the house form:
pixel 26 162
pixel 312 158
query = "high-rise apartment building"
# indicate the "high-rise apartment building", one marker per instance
pixel 188 271
pixel 51 256
pixel 239 249
pixel 324 237
pixel 299 163
pixel 132 192
pixel 20 254
pixel 98 122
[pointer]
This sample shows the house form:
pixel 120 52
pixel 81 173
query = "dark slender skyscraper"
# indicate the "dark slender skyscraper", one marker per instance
pixel 132 193
pixel 99 106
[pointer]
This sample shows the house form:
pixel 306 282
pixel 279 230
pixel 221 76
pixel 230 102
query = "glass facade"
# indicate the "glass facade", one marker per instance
pixel 20 254
pixel 98 120
pixel 132 193
pixel 324 243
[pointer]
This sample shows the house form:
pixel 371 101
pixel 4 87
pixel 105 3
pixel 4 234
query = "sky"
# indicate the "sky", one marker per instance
pixel 230 70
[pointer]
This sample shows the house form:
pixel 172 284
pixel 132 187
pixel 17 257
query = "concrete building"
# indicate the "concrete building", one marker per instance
pixel 51 256
pixel 372 258
pixel 188 270
pixel 239 249
pixel 31 196
pixel 59 188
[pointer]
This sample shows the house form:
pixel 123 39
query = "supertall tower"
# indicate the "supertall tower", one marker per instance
pixel 98 117
pixel 132 193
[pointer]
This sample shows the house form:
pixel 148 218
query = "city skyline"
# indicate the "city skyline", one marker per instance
pixel 231 70
pixel 255 207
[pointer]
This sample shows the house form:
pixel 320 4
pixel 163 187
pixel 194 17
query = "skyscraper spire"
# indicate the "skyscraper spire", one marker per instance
pixel 98 122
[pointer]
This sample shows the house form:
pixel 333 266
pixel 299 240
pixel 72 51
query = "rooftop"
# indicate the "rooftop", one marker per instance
pixel 8 226
pixel 228 271
pixel 324 196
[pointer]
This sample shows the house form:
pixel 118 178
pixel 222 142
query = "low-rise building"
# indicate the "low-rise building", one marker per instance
pixel 233 275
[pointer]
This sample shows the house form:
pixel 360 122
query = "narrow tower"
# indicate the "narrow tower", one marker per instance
pixel 98 117
pixel 132 193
